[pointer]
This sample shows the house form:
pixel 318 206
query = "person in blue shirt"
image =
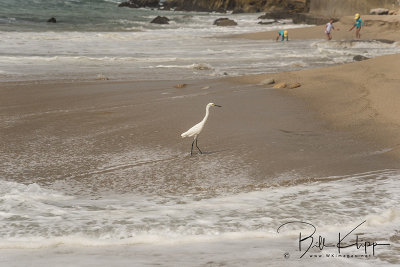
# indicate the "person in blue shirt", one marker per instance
pixel 283 34
pixel 358 25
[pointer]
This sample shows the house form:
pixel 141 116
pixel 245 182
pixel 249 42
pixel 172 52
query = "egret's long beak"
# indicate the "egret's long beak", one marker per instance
pixel 217 106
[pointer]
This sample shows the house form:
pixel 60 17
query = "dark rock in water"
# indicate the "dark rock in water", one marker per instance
pixel 359 58
pixel 140 3
pixel 225 22
pixel 52 20
pixel 160 20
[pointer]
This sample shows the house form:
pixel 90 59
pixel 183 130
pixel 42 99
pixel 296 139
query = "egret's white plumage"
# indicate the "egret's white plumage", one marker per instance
pixel 196 130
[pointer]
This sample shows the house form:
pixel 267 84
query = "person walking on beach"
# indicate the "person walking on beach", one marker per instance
pixel 283 34
pixel 328 28
pixel 358 24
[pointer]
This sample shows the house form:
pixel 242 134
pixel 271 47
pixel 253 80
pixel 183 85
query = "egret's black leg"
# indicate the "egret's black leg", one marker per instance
pixel 191 151
pixel 198 148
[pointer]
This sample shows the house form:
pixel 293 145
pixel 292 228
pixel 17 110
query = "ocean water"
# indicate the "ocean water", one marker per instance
pixel 97 40
pixel 161 229
pixel 155 206
pixel 185 218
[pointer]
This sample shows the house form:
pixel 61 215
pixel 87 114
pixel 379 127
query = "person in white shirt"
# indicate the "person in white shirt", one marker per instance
pixel 328 28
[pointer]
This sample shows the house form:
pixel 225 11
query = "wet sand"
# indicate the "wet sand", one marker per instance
pixel 125 136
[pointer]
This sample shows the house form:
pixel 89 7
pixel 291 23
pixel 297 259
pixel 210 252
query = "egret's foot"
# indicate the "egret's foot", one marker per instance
pixel 198 148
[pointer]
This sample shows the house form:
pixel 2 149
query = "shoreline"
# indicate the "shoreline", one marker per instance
pixel 267 131
pixel 336 108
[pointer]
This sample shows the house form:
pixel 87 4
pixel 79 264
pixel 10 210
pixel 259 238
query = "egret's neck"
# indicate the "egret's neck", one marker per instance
pixel 206 116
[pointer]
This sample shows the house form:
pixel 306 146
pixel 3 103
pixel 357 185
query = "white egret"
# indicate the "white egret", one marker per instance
pixel 196 130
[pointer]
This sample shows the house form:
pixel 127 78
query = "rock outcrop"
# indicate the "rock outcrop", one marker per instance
pixel 302 11
pixel 140 3
pixel 238 6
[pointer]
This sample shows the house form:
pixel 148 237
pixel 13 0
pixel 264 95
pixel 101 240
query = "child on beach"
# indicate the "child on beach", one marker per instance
pixel 283 34
pixel 328 28
pixel 358 24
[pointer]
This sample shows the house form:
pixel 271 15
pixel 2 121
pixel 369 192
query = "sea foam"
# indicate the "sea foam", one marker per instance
pixel 33 217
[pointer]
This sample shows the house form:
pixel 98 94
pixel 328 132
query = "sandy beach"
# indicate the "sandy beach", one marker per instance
pixel 100 138
pixel 337 113
pixel 265 129
pixel 359 97
pixel 375 27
